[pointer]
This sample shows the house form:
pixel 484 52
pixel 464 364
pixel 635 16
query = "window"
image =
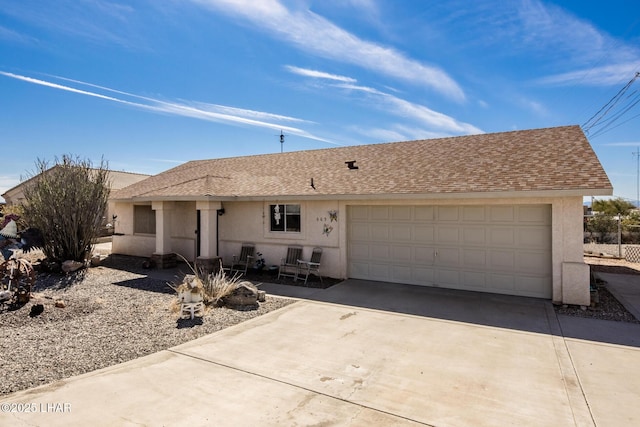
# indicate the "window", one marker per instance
pixel 285 218
pixel 144 219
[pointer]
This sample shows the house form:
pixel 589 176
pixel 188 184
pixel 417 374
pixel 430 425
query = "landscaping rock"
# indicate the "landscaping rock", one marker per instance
pixel 71 266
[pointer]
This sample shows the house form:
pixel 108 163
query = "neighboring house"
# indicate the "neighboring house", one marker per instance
pixel 117 179
pixel 498 213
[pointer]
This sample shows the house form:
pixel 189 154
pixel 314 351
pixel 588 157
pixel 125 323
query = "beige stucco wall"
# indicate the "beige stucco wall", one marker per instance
pixel 182 219
pixel 248 222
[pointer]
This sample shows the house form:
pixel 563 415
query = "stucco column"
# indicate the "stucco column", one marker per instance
pixel 209 258
pixel 163 226
pixel 208 228
pixel 568 253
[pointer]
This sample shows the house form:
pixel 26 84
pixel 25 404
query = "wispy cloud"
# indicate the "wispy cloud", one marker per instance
pixel 605 75
pixel 398 132
pixel 15 37
pixel 316 35
pixel 76 18
pixel 208 112
pixel 405 109
pixel 597 58
pixel 319 74
pixel 393 104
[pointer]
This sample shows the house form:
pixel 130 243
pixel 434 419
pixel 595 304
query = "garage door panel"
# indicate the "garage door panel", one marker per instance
pixel 359 270
pixel 531 286
pixel 424 213
pixel 534 238
pixel 380 252
pixel 474 235
pixel 424 234
pixel 401 232
pixel 380 232
pixel 448 213
pixel 359 232
pixel 448 278
pixel 502 260
pixel 402 274
pixel 422 276
pixel 502 214
pixel 424 255
pixel 359 213
pixel 381 271
pixel 533 262
pixel 380 212
pixel 474 279
pixel 474 258
pixel 502 236
pixel 493 248
pixel 534 214
pixel 448 256
pixel 448 234
pixel 504 283
pixel 401 254
pixel 359 251
pixel 473 213
pixel 401 213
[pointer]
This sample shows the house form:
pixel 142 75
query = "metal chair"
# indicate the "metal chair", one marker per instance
pixel 289 265
pixel 242 262
pixel 312 266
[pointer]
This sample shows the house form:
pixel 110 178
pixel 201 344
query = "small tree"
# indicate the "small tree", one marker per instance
pixel 67 202
pixel 602 226
pixel 631 228
pixel 613 206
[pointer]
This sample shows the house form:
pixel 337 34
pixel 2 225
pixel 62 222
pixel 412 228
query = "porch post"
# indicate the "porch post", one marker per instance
pixel 163 256
pixel 209 258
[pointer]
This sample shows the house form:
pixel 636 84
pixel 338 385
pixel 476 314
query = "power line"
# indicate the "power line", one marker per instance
pixel 599 120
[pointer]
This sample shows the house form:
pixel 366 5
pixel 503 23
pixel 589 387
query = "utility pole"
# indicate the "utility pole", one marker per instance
pixel 637 154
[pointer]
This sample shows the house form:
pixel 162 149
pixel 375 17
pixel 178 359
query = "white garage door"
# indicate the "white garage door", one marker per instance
pixel 494 248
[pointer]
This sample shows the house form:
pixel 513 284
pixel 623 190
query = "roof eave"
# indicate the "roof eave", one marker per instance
pixel 395 196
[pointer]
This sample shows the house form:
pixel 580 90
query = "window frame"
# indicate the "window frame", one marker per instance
pixel 146 224
pixel 286 216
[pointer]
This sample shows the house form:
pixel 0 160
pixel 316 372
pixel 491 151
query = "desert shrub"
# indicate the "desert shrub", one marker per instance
pixel 66 203
pixel 601 227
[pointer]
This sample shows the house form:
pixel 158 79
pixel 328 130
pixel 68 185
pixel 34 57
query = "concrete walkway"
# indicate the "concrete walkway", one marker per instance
pixel 368 353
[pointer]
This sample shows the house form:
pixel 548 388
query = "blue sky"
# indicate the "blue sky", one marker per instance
pixel 147 85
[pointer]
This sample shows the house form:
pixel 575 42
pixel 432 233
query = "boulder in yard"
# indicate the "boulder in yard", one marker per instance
pixel 71 266
pixel 243 297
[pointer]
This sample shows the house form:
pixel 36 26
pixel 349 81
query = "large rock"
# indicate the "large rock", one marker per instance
pixel 244 297
pixel 71 266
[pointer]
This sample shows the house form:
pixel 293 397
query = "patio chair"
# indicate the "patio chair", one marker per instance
pixel 289 265
pixel 241 263
pixel 312 266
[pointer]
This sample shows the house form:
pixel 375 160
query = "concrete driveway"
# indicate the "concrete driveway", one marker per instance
pixel 368 353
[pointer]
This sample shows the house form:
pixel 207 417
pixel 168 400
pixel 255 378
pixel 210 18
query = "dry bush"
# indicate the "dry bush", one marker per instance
pixel 66 203
pixel 215 286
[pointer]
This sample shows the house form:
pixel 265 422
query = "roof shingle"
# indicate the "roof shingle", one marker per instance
pixel 537 160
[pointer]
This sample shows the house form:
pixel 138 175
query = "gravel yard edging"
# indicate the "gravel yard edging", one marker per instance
pixel 110 316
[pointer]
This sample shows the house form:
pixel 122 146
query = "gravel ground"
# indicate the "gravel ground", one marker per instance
pixel 111 315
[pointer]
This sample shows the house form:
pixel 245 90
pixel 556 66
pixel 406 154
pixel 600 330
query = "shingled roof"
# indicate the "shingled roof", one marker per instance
pixel 538 161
